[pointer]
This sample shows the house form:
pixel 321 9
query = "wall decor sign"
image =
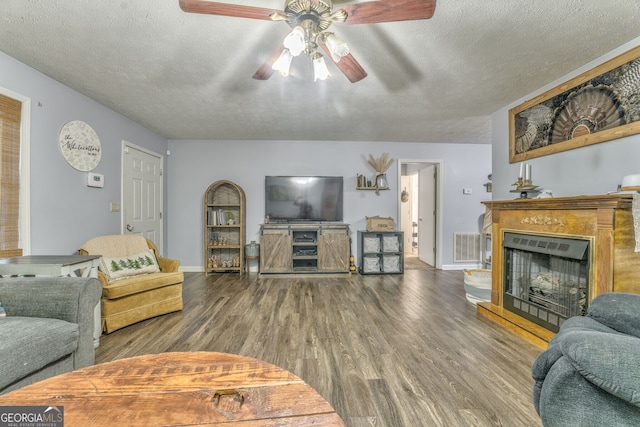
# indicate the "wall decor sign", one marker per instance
pixel 597 106
pixel 80 145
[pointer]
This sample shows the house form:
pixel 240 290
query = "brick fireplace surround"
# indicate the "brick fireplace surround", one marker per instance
pixel 605 219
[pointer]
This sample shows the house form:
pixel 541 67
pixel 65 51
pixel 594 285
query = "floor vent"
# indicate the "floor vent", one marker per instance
pixel 466 247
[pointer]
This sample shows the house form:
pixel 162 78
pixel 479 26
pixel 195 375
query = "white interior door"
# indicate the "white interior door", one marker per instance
pixel 142 193
pixel 427 215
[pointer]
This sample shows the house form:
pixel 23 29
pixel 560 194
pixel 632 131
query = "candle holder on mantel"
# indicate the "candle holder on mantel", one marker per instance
pixel 524 187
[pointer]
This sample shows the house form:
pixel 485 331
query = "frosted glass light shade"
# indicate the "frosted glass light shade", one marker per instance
pixel 295 41
pixel 320 69
pixel 337 47
pixel 283 63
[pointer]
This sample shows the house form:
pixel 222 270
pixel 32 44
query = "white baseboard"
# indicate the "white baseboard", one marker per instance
pixel 460 266
pixel 191 269
pixel 200 269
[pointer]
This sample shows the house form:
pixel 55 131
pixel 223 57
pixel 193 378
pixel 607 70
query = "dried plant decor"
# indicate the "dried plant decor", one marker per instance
pixel 382 164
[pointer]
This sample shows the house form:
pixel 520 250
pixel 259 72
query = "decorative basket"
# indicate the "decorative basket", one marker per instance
pixel 378 223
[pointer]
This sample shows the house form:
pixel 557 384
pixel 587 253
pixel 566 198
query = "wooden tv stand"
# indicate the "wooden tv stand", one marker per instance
pixel 304 248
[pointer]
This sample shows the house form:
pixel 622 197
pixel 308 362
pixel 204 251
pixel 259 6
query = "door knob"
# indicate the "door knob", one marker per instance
pixel 129 227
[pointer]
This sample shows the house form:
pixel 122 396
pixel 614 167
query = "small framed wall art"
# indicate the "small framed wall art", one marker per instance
pixel 80 145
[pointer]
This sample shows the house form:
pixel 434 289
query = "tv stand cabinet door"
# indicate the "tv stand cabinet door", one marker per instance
pixel 333 250
pixel 275 251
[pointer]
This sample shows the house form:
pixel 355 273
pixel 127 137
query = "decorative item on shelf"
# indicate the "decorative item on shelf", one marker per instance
pixel 378 223
pixel 489 185
pixel 362 183
pixel 381 167
pixel 214 239
pixel 524 184
pixel 213 262
pixel 381 181
pixel 404 196
pixel 545 194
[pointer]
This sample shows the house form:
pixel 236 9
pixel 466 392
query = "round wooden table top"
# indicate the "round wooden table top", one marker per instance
pixel 167 389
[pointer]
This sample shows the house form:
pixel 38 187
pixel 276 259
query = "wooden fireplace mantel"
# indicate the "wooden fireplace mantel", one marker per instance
pixel 605 219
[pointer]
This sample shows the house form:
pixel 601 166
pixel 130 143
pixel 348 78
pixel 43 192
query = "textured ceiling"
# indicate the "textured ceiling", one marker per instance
pixel 188 76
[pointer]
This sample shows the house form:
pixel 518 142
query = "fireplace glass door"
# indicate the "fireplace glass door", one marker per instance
pixel 546 278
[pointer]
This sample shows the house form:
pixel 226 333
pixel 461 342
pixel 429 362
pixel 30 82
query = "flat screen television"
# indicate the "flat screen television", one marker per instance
pixel 303 198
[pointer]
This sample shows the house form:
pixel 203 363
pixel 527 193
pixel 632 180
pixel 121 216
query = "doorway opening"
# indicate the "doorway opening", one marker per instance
pixel 419 217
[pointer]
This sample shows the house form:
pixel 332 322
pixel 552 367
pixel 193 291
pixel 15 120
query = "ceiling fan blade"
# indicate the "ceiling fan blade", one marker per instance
pixel 226 9
pixel 348 65
pixel 265 71
pixel 374 12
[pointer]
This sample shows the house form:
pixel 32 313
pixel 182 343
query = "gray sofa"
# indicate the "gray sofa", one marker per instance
pixel 48 329
pixel 590 373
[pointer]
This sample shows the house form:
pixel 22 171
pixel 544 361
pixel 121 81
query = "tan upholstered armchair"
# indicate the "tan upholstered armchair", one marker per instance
pixel 137 283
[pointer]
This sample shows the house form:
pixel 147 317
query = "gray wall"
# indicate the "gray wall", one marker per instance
pixel 64 211
pixel 197 164
pixel 596 169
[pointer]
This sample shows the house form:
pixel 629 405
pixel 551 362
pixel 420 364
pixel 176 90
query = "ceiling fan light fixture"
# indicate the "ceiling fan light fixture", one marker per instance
pixel 337 46
pixel 310 19
pixel 283 63
pixel 295 41
pixel 320 70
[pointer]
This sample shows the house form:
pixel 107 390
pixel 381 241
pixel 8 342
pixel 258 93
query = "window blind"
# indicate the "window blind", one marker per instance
pixel 10 110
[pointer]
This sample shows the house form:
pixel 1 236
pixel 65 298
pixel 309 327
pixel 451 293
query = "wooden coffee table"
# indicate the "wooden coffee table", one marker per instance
pixel 167 389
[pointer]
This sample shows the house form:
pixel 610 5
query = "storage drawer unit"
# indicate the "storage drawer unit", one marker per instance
pixel 380 252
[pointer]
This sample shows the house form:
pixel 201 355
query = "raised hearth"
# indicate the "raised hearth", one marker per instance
pixel 608 263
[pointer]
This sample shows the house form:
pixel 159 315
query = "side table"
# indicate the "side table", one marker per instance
pixel 247 262
pixel 56 265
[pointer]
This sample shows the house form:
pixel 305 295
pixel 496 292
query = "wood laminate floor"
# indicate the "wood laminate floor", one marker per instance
pixel 398 350
pixel 412 261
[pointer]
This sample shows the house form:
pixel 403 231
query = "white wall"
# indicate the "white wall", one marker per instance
pixel 197 164
pixel 64 211
pixel 596 169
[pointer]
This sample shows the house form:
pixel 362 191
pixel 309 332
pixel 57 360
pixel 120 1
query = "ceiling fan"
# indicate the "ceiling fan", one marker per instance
pixel 309 20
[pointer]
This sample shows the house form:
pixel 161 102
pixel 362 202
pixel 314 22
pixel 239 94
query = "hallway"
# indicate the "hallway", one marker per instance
pixel 412 262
